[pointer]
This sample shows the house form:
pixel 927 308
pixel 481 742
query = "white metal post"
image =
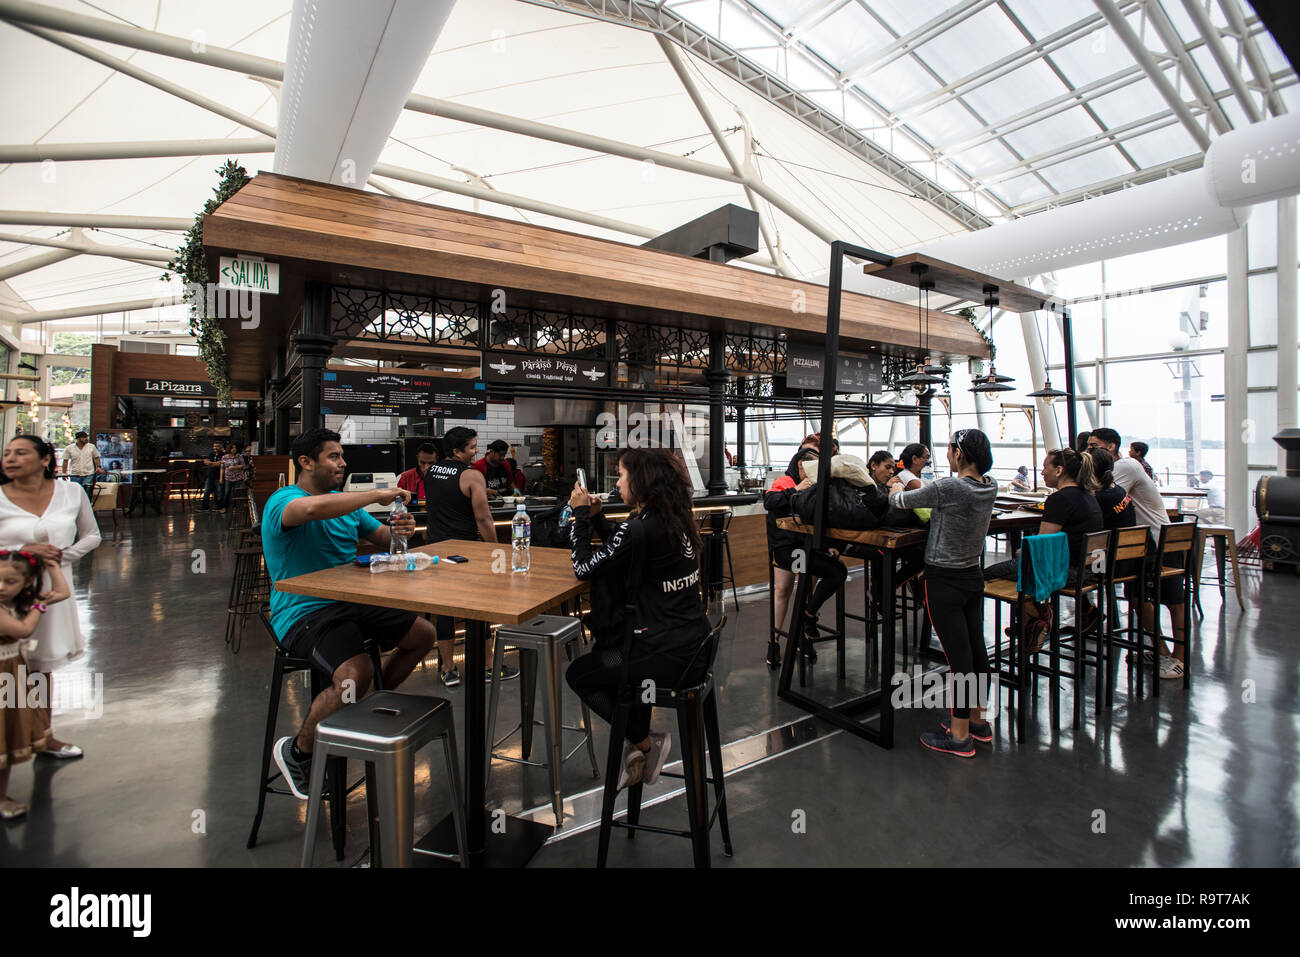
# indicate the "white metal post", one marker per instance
pixel 1286 319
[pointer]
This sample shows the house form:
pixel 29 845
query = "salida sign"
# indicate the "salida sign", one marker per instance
pixel 171 387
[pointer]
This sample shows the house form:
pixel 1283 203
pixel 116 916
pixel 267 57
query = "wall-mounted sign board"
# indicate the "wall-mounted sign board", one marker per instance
pixel 255 275
pixel 371 392
pixel 857 374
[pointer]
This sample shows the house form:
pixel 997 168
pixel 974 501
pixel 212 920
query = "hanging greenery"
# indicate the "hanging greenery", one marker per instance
pixel 969 315
pixel 191 266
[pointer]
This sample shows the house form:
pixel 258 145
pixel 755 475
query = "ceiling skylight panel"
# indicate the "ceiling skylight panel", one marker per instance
pixel 945 122
pixel 986 37
pixel 846 36
pixel 985 159
pixel 1045 18
pixel 741 29
pixel 1131 103
pixel 1022 189
pixel 1012 94
pixel 897 83
pixel 1055 131
pixel 1165 144
pixel 1099 53
pixel 1085 170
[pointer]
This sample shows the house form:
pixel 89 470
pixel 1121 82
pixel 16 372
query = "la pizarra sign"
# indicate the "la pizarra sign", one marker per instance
pixel 255 275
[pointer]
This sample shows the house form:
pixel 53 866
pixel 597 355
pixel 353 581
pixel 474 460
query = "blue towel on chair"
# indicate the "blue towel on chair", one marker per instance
pixel 1050 555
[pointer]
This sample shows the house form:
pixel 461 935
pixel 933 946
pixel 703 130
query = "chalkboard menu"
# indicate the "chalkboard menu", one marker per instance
pixel 545 370
pixel 371 392
pixel 856 373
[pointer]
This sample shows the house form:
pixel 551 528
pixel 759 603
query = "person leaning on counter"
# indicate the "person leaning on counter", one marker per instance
pixel 502 475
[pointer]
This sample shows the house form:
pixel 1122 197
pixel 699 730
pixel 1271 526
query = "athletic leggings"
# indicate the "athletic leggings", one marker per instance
pixel 829 572
pixel 954 600
pixel 595 677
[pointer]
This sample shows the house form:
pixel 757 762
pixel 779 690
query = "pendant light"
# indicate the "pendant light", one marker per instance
pixel 991 384
pixel 922 378
pixel 1047 393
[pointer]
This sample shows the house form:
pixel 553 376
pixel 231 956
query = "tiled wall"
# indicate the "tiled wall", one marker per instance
pixel 361 429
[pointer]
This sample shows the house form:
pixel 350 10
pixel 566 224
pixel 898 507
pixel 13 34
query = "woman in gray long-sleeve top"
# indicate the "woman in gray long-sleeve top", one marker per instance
pixel 961 507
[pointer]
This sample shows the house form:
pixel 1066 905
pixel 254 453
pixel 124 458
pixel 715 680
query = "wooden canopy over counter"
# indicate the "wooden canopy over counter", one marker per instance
pixel 348 237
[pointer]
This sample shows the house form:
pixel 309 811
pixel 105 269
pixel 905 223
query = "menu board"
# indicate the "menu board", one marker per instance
pixel 856 374
pixel 547 370
pixel 116 450
pixel 371 392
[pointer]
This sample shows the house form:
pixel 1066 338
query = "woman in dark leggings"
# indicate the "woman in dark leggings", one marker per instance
pixel 650 561
pixel 825 566
pixel 961 507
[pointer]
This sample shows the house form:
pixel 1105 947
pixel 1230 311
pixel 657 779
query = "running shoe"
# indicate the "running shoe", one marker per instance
pixel 656 756
pixel 980 732
pixel 451 677
pixel 946 744
pixel 508 673
pixel 297 774
pixel 1170 667
pixel 633 767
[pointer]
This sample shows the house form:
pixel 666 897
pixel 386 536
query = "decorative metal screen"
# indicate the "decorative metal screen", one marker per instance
pixel 402 317
pixel 541 331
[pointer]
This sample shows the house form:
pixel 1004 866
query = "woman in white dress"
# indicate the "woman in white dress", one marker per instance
pixel 51 520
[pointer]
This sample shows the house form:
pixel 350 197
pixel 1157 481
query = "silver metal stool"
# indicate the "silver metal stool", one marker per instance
pixel 539 642
pixel 386 729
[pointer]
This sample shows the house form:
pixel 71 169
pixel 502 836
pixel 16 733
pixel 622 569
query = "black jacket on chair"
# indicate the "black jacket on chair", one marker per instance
pixel 849 505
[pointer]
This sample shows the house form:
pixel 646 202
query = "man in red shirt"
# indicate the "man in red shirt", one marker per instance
pixel 502 477
pixel 413 479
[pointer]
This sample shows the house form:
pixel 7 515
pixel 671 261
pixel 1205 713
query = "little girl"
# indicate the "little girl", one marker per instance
pixel 24 730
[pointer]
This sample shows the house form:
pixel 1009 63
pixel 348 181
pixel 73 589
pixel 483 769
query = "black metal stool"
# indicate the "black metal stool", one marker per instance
pixel 697 720
pixel 239 516
pixel 250 589
pixel 336 787
pixel 823 634
pixel 724 538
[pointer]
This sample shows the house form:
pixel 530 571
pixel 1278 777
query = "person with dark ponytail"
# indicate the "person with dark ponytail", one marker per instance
pixel 913 460
pixel 650 561
pixel 961 506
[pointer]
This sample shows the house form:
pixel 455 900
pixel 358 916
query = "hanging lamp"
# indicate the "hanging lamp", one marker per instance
pixel 1047 393
pixel 993 383
pixel 923 377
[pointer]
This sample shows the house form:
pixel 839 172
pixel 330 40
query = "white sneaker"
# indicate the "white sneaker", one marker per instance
pixel 656 756
pixel 1170 667
pixel 633 767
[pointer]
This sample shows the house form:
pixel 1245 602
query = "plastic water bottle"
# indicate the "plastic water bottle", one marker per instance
pixel 927 473
pixel 521 536
pixel 406 562
pixel 566 514
pixel 397 545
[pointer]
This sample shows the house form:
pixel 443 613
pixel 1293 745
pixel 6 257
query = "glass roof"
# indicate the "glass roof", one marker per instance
pixel 951 114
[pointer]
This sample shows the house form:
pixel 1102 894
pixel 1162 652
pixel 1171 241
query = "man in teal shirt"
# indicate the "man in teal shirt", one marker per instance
pixel 310 526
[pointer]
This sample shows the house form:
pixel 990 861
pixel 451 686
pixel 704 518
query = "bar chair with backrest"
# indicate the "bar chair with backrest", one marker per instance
pixel 1177 540
pixel 1090 573
pixel 695 702
pixel 1126 566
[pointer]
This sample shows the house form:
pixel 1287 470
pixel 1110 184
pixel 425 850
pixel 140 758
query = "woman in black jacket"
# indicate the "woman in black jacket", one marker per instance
pixel 651 561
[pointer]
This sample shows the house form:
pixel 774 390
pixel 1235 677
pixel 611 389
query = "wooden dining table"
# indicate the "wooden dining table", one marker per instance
pixel 484 592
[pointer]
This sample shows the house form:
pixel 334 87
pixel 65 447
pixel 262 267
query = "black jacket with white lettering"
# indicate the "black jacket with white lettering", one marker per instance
pixel 662 576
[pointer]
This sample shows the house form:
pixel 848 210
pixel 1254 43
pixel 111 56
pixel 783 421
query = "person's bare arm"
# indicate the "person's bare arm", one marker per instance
pixel 59 589
pixel 473 484
pixel 319 508
pixel 15 629
pixel 1049 528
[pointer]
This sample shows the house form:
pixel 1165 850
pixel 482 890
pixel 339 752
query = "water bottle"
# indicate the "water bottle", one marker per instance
pixel 927 473
pixel 566 514
pixel 407 562
pixel 397 546
pixel 521 536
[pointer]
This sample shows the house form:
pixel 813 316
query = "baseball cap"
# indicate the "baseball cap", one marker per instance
pixel 500 445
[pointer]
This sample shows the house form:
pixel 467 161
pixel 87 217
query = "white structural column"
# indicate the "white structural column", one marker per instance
pixel 1236 428
pixel 1286 319
pixel 1038 375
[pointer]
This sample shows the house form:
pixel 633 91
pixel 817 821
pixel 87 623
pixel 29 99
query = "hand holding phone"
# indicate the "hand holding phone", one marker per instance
pixel 582 478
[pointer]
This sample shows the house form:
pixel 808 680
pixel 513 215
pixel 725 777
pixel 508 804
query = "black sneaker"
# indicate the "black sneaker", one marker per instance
pixel 945 744
pixel 774 654
pixel 980 732
pixel 451 677
pixel 297 774
pixel 508 673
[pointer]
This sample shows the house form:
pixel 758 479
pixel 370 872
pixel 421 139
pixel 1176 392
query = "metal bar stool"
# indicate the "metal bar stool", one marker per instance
pixel 541 638
pixel 250 588
pixel 774 632
pixel 705 522
pixel 240 510
pixel 337 789
pixel 1225 540
pixel 385 730
pixel 697 722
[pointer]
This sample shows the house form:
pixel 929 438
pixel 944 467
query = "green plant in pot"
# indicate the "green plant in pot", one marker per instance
pixel 191 266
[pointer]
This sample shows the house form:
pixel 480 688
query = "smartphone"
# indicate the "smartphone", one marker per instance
pixel 458 559
pixel 582 479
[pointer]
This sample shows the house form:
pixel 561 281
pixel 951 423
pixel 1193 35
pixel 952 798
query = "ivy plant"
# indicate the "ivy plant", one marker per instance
pixel 191 266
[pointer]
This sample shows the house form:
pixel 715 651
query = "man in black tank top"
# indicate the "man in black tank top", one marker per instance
pixel 458 509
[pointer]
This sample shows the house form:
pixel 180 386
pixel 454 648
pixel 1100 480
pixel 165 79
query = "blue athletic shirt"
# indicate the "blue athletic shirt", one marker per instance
pixel 306 548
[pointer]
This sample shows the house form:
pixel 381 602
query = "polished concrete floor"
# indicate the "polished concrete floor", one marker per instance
pixel 1205 777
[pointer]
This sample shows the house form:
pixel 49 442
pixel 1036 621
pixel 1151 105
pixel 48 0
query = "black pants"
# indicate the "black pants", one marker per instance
pixel 829 572
pixel 595 677
pixel 954 599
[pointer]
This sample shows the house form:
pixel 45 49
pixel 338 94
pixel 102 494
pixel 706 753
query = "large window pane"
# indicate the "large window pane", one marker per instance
pixel 1261 368
pixel 1206 257
pixel 1262 293
pixel 1147 404
pixel 1256 433
pixel 1150 323
pixel 1261 236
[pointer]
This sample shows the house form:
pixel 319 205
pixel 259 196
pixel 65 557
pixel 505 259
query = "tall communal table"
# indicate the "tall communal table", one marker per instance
pixel 481 596
pixel 853 714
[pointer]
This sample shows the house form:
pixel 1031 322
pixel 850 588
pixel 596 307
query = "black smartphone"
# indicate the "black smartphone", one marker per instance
pixel 458 559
